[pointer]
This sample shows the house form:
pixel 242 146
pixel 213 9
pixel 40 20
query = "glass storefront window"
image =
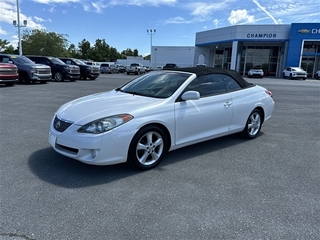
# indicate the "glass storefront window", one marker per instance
pixel 264 56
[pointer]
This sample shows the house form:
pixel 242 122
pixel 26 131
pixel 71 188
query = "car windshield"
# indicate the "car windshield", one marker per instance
pixel 21 60
pixel 158 85
pixel 77 61
pixel 56 61
pixel 297 69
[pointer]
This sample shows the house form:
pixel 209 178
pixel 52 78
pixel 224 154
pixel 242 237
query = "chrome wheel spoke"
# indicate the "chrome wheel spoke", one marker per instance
pixel 149 148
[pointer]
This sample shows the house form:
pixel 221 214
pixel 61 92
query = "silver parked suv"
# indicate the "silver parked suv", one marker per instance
pixel 28 70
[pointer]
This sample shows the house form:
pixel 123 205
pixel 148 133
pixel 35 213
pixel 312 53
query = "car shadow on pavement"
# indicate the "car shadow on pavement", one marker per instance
pixel 65 172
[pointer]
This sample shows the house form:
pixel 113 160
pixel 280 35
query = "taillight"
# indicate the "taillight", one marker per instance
pixel 269 93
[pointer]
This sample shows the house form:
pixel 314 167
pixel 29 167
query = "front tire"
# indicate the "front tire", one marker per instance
pixel 253 125
pixel 58 77
pixel 24 78
pixel 147 148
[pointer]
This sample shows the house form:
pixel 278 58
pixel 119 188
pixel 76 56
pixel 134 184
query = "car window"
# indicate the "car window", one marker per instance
pixel 230 83
pixel 207 85
pixel 4 59
pixel 158 84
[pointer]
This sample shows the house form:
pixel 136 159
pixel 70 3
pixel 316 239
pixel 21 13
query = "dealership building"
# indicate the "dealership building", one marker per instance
pixel 241 47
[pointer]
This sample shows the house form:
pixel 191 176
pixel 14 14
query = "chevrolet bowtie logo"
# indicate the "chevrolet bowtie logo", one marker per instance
pixel 304 31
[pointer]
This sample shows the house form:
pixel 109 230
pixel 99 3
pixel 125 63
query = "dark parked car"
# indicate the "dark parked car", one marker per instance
pixel 169 66
pixel 60 70
pixel 86 71
pixel 317 75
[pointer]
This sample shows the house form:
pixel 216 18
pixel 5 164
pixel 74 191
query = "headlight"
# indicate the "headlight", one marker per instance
pixel 105 124
pixel 33 70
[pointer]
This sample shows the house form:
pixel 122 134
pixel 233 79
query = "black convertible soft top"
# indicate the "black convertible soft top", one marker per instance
pixel 200 71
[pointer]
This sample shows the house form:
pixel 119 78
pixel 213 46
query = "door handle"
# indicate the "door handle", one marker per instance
pixel 227 104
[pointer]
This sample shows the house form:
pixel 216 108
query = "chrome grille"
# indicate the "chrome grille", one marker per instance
pixel 75 71
pixel 8 71
pixel 44 71
pixel 60 125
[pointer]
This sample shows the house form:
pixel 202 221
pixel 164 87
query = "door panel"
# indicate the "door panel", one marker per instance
pixel 198 119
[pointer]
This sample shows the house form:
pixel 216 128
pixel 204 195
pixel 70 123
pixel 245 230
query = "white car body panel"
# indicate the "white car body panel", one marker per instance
pixel 188 122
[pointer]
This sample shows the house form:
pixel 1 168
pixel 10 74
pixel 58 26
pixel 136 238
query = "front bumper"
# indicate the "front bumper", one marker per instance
pixel 72 76
pixel 41 77
pixel 95 149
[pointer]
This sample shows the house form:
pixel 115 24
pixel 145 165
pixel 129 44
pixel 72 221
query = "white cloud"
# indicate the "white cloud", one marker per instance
pixel 240 16
pixel 56 1
pixel 177 20
pixel 52 10
pixel 38 19
pixel 201 9
pixel 3 32
pixel 216 22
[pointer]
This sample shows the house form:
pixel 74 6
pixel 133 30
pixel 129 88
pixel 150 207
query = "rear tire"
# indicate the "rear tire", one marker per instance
pixel 147 148
pixel 253 125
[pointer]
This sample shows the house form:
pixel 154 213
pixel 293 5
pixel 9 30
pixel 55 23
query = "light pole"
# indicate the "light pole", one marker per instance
pixel 17 24
pixel 151 32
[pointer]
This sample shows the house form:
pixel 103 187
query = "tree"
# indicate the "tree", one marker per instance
pixel 148 57
pixel 41 42
pixel 73 51
pixel 135 53
pixel 10 50
pixel 101 51
pixel 3 44
pixel 127 52
pixel 84 49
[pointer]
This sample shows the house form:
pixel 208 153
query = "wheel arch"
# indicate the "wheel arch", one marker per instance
pixel 163 128
pixel 261 110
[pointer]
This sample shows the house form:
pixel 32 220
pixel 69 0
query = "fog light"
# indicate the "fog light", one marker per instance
pixel 94 153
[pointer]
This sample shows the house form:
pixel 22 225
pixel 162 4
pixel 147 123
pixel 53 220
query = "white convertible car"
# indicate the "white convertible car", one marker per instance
pixel 158 112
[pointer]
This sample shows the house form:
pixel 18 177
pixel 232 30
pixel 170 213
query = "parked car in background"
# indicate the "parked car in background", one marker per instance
pixel 135 68
pixel 86 71
pixel 140 121
pixel 201 65
pixel 60 70
pixel 169 66
pixel 107 68
pixel 294 73
pixel 121 68
pixel 256 72
pixel 158 68
pixel 8 74
pixel 27 69
pixel 148 68
pixel 317 75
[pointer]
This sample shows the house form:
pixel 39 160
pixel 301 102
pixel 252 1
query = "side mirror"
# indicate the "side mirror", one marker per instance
pixel 190 95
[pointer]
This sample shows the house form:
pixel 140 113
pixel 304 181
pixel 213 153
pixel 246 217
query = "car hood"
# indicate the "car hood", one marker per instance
pixel 83 110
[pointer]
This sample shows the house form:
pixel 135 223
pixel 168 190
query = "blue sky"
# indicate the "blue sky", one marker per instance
pixel 124 24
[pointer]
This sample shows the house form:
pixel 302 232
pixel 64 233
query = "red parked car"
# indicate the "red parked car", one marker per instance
pixel 8 74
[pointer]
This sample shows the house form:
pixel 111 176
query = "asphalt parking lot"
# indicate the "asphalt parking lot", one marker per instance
pixel 227 188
